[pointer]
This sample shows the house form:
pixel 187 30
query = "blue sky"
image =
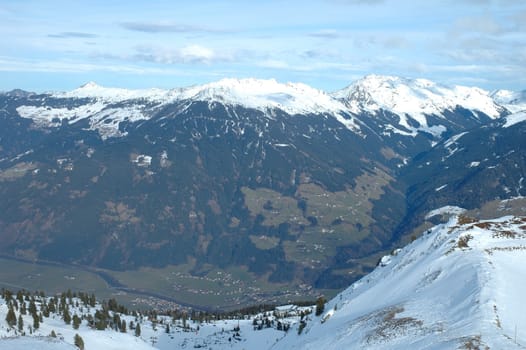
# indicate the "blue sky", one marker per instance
pixel 59 45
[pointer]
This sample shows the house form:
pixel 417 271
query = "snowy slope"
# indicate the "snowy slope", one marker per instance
pixel 293 98
pixel 107 108
pixel 434 294
pixel 460 285
pixel 512 100
pixel 414 100
pixel 93 90
pixel 515 118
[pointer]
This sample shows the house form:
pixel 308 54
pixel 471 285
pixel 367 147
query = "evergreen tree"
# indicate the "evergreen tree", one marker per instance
pixel 116 321
pixel 66 316
pixel 11 316
pixel 52 306
pixel 20 296
pixel 320 306
pixel 7 295
pixel 20 323
pixel 32 307
pixel 79 342
pixel 100 320
pixel 76 321
pixel 138 330
pixel 123 326
pixel 92 300
pixel 23 309
pixel 53 334
pixel 36 321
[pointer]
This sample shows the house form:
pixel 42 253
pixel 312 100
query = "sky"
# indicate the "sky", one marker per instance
pixel 50 45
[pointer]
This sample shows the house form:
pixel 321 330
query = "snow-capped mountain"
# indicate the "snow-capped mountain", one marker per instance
pixel 106 108
pixel 108 94
pixel 414 105
pixel 514 101
pixel 416 102
pixel 459 286
pixel 288 181
pixel 293 98
pixel 470 168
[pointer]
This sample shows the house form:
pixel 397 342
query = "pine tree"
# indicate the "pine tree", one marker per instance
pixel 123 326
pixel 11 316
pixel 52 306
pixel 76 321
pixel 320 306
pixel 32 307
pixel 36 321
pixel 92 300
pixel 20 296
pixel 20 323
pixel 23 309
pixel 66 316
pixel 138 330
pixel 79 342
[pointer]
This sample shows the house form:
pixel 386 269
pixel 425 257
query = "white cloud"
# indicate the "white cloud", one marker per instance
pixel 197 53
pixel 8 64
pixel 326 34
pixel 189 54
pixel 274 64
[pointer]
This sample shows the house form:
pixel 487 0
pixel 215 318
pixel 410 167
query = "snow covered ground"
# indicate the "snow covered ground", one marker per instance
pixel 164 333
pixel 459 286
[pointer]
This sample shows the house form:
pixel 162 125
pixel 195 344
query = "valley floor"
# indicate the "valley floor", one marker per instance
pixel 460 285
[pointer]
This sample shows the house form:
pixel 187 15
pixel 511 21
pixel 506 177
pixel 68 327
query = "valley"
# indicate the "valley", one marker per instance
pixel 458 285
pixel 219 196
pixel 161 289
pixel 265 175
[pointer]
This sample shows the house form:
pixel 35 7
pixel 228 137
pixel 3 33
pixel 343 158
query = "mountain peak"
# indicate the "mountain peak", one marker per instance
pixel 415 99
pixel 515 101
pixel 90 85
pixel 110 94
pixel 294 98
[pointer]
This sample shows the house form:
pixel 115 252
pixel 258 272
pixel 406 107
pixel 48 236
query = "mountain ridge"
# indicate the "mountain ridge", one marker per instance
pixel 458 285
pixel 452 287
pixel 419 105
pixel 187 178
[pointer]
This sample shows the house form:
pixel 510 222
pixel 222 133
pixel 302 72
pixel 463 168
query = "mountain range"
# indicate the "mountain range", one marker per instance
pixel 294 185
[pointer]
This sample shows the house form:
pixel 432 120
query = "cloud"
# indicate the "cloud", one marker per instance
pixel 80 35
pixel 157 27
pixel 196 53
pixel 9 64
pixel 190 54
pixel 326 34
